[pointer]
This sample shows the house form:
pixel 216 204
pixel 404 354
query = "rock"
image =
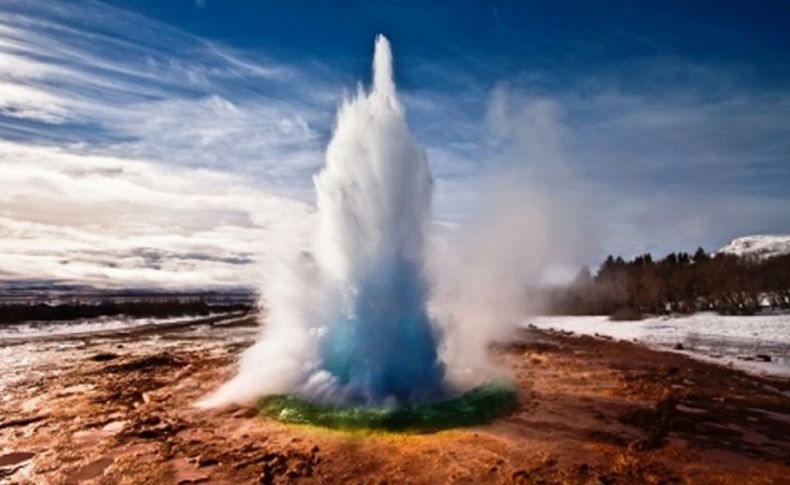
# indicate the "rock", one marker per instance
pixel 114 427
pixel 678 346
pixel 87 437
pixel 763 357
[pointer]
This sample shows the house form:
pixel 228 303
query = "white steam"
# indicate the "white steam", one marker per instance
pixel 362 318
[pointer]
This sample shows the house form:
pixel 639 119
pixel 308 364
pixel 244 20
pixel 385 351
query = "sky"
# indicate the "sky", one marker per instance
pixel 174 143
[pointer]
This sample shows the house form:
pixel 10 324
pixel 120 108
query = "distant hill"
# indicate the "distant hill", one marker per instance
pixel 758 246
pixel 30 300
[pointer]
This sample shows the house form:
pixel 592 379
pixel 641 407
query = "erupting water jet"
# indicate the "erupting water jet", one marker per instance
pixel 348 325
pixel 374 200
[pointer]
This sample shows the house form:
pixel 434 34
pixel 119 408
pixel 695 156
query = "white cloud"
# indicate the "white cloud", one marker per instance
pixel 113 222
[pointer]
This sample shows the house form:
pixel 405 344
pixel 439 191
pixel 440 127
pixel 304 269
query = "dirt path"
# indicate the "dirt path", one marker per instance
pixel 592 411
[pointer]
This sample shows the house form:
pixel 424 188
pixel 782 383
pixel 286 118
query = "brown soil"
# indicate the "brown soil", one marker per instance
pixel 592 411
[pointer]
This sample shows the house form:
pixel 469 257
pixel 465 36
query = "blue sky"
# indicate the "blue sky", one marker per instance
pixel 663 126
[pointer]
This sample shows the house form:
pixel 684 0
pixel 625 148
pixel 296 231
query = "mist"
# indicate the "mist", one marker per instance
pixel 534 226
pixel 383 311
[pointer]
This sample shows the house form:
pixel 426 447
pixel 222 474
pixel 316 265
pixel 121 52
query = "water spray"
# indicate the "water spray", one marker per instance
pixel 348 340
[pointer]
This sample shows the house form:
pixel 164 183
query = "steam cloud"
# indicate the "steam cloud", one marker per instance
pixel 361 318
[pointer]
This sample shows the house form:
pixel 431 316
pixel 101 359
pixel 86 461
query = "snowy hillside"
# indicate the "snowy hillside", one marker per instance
pixel 760 246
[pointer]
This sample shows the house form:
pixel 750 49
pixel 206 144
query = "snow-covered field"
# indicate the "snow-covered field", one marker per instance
pixel 104 325
pixel 743 342
pixel 34 350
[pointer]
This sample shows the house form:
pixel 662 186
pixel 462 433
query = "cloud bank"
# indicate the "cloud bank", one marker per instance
pixel 110 221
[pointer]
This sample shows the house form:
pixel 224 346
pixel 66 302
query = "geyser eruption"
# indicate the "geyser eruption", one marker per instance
pixel 348 323
pixel 374 199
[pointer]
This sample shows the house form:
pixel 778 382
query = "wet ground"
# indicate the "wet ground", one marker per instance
pixel 119 410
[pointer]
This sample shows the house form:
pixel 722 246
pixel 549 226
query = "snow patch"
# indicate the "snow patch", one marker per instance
pixel 758 246
pixel 741 341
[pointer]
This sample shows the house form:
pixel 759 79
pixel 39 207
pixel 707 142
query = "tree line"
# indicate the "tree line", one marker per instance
pixel 678 283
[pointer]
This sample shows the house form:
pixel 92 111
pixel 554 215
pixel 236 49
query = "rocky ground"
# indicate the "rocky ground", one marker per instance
pixel 119 410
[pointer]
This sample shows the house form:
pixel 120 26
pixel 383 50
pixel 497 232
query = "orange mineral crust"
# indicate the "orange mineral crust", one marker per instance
pixel 590 411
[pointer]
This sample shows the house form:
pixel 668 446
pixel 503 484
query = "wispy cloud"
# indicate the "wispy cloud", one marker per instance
pixel 129 85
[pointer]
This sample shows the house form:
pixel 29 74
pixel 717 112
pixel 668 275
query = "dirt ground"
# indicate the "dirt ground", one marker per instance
pixel 592 411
